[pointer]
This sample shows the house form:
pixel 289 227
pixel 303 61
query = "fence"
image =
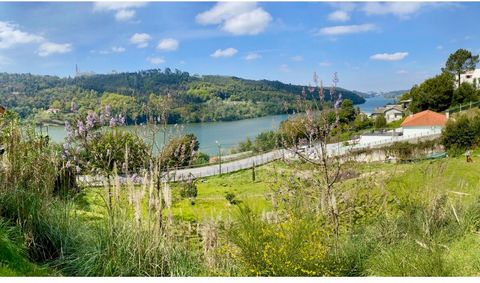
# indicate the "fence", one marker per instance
pixel 245 163
pixel 463 107
pixel 430 135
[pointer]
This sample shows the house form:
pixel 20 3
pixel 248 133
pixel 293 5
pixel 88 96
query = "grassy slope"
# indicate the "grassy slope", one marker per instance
pixel 13 261
pixel 452 176
pixel 404 183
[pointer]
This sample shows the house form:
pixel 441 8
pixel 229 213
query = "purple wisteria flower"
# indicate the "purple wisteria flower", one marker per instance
pixel 81 128
pixel 74 107
pixel 105 114
pixel 121 120
pixel 113 122
pixel 90 122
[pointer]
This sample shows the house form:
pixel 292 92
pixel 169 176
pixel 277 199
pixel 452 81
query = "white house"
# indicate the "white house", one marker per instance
pixel 423 123
pixel 472 77
pixel 390 112
pixel 393 113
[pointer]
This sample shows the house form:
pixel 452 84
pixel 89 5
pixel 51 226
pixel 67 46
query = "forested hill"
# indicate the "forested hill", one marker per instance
pixel 193 98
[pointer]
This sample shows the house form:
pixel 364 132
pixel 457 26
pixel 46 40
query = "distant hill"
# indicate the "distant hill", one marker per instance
pixel 365 94
pixel 194 98
pixel 394 94
pixel 389 94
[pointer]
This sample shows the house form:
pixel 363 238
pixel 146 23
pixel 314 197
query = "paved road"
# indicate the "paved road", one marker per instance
pixel 335 149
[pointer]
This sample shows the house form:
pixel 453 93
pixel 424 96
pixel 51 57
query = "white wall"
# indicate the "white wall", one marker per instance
pixel 421 130
pixel 391 116
pixel 473 75
pixel 365 139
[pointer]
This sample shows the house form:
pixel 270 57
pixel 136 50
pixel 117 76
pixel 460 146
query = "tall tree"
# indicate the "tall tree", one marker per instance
pixel 460 62
pixel 434 94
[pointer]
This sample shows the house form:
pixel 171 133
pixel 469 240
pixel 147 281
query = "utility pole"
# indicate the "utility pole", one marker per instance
pixel 219 156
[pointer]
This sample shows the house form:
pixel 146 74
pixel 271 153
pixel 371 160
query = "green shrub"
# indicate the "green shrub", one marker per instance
pixel 230 197
pixel 201 158
pixel 462 133
pixel 179 151
pixel 266 141
pixel 189 189
pixel 380 122
pixel 128 151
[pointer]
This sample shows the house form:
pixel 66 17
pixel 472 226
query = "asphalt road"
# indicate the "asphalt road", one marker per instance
pixel 261 159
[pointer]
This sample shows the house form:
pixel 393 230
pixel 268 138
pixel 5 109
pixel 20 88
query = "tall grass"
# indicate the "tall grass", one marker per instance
pixel 127 241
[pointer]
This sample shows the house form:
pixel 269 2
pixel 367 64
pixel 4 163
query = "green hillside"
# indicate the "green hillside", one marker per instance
pixel 141 94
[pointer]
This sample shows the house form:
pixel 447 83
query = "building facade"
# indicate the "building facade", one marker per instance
pixel 471 77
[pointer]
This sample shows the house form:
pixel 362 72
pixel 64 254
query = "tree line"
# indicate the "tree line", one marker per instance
pixel 193 98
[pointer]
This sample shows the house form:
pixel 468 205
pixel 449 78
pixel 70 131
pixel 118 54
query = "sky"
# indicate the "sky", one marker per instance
pixel 372 46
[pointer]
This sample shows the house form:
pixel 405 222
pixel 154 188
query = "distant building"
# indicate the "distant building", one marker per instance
pixel 423 123
pixel 405 103
pixel 472 77
pixel 52 110
pixel 390 112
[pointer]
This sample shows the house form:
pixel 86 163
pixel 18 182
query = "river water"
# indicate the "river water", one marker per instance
pixel 228 134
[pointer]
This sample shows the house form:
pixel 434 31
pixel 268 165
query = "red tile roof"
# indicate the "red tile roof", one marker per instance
pixel 425 118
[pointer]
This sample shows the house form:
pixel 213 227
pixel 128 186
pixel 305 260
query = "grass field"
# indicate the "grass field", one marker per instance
pixel 407 182
pixel 404 185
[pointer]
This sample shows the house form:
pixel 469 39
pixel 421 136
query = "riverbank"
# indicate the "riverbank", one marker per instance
pixel 227 134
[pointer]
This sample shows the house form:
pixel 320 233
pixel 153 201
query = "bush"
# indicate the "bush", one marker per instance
pixel 462 133
pixel 201 158
pixel 189 189
pixel 128 151
pixel 266 141
pixel 230 197
pixel 380 122
pixel 179 151
pixel 293 247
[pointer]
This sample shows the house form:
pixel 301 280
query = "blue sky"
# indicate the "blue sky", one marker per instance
pixel 372 46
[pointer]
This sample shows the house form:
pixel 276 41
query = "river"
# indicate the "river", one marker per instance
pixel 228 134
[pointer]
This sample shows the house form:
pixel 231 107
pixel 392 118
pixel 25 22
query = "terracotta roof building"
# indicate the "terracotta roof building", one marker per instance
pixel 423 123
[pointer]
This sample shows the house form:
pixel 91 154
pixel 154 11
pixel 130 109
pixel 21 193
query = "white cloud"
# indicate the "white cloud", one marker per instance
pixel 347 29
pixel 140 39
pixel 339 16
pixel 49 48
pixel 229 52
pixel 118 49
pixel 297 58
pixel 397 56
pixel 325 64
pixel 402 72
pixel 124 15
pixel 168 44
pixel 440 47
pixel 155 60
pixel 252 56
pixel 124 11
pixel 238 18
pixel 399 9
pixel 284 68
pixel 11 35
